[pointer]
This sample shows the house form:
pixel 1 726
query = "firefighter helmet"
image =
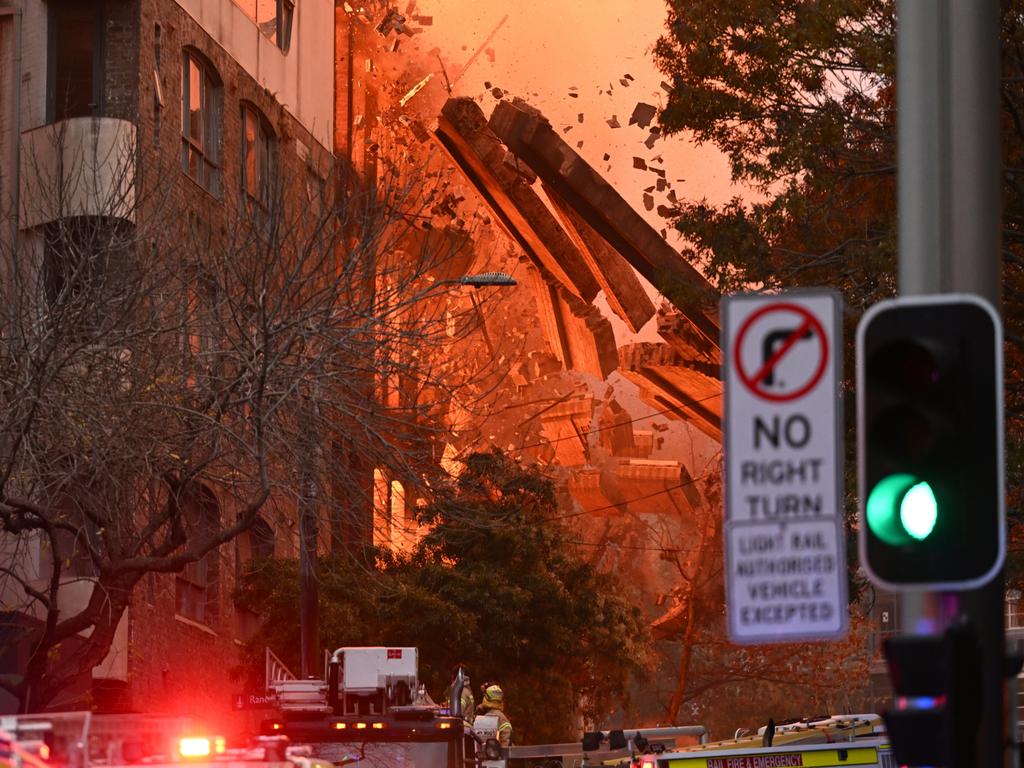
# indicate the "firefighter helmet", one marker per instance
pixel 493 697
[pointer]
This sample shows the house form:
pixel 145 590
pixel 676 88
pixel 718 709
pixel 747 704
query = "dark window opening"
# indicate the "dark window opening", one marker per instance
pixel 76 60
pixel 274 18
pixel 84 271
pixel 196 588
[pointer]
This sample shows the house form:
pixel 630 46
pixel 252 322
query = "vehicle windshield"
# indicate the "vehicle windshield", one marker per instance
pixel 383 754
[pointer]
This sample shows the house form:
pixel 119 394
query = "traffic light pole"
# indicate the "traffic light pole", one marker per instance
pixel 948 77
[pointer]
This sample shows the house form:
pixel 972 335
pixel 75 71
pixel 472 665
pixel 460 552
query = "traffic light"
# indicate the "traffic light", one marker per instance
pixel 937 703
pixel 930 442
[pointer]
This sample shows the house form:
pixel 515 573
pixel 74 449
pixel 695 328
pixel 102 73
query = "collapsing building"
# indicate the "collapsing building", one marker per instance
pixel 584 238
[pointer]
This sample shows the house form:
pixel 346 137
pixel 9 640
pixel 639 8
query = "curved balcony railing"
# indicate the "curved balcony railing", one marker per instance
pixel 83 166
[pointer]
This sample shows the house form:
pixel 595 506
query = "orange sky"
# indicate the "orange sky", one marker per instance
pixel 546 47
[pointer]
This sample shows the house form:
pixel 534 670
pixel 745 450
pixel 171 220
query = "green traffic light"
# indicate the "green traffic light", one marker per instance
pixel 902 508
pixel 919 510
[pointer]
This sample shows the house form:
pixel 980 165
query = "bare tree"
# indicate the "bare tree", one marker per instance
pixel 170 366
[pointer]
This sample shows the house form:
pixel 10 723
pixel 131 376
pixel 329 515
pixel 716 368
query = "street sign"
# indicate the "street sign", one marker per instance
pixel 254 701
pixel 785 552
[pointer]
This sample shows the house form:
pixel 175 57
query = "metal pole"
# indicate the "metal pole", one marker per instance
pixel 948 75
pixel 309 610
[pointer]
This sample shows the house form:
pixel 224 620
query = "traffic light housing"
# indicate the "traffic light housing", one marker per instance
pixel 930 442
pixel 937 700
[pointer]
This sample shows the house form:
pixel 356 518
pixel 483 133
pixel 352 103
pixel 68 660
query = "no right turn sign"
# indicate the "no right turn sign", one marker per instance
pixel 784 541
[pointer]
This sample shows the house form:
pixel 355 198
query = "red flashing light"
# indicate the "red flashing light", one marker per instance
pixel 44 751
pixel 276 726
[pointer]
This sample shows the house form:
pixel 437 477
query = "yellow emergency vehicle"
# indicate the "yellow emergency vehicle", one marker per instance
pixel 827 742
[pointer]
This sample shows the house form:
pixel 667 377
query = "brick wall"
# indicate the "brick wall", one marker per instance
pixel 177 665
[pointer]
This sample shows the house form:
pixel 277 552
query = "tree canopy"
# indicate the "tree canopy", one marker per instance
pixel 800 96
pixel 496 584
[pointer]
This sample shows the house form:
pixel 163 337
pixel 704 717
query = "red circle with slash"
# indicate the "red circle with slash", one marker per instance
pixel 755 381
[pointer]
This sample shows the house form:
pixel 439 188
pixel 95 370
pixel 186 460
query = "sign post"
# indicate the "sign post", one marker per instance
pixel 785 553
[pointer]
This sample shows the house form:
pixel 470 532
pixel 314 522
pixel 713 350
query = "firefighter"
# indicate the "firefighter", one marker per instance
pixel 493 701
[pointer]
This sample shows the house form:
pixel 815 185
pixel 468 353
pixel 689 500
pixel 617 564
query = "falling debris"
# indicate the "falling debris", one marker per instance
pixel 579 143
pixel 424 21
pixel 487 84
pixel 573 95
pixel 415 89
pixel 665 212
pixel 489 53
pixel 643 114
pixel 497 92
pixel 659 171
pixel 639 164
pixel 629 76
pixel 649 189
pixel 651 138
pixel 672 196
pixel 666 87
pixel 624 82
pixel 567 129
pixel 580 117
pixel 607 156
pixel 613 122
pixel 393 21
pixel 662 184
pixel 648 202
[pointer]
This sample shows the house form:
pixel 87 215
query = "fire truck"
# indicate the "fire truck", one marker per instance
pixel 370 709
pixel 88 740
pixel 829 742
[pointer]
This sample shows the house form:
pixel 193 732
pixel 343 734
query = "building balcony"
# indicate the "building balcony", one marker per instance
pixel 83 166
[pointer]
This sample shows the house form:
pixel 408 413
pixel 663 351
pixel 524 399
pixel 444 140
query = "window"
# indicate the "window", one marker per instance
pixel 196 587
pixel 257 154
pixel 273 17
pixel 75 60
pixel 261 540
pixel 200 122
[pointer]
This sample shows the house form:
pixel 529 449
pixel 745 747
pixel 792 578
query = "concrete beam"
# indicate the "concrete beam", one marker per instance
pixel 626 296
pixel 462 131
pixel 528 134
pixel 684 389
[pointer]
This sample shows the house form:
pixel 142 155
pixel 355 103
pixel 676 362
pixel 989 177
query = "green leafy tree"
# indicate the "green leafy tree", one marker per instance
pixel 495 584
pixel 800 96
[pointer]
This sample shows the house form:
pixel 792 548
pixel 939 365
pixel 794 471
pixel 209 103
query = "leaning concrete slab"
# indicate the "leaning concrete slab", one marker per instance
pixel 626 296
pixel 685 389
pixel 528 134
pixel 462 131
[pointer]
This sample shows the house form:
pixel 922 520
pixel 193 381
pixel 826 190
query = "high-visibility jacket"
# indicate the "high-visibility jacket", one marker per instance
pixel 504 726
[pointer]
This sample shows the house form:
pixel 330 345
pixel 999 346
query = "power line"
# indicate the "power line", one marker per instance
pixel 594 431
pixel 650 495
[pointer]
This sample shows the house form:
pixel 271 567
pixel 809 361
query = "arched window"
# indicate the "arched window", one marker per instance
pixel 196 589
pixel 258 156
pixel 201 110
pixel 261 540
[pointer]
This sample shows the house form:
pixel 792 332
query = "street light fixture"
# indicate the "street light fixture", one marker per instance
pixel 485 279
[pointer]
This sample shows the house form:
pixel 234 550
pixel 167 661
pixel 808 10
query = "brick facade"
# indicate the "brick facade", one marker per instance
pixel 164 661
